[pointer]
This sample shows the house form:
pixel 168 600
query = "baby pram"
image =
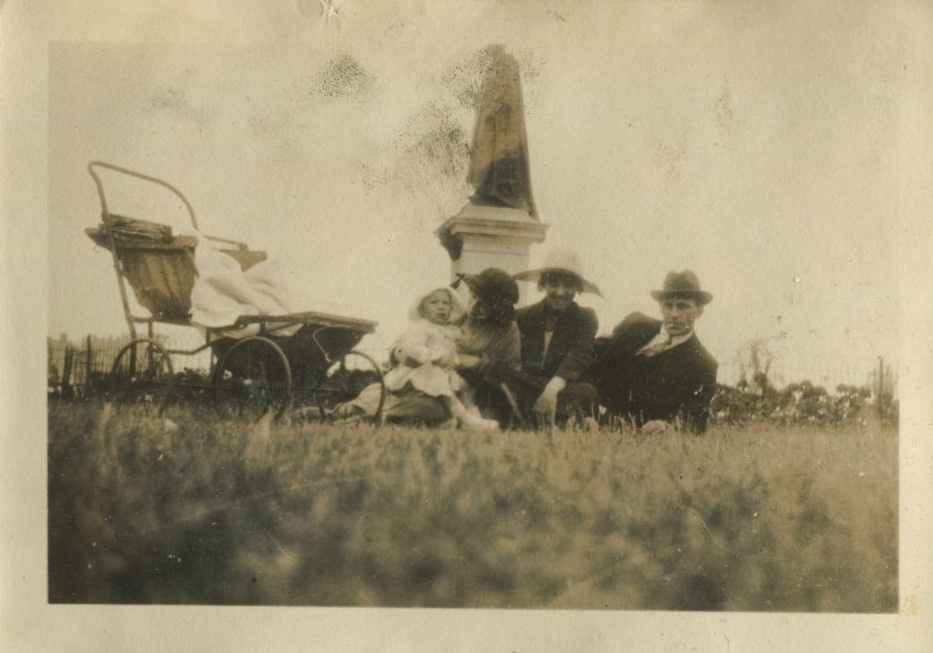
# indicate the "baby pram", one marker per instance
pixel 303 359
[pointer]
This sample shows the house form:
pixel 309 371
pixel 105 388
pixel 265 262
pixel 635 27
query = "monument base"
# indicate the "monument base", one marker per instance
pixel 482 236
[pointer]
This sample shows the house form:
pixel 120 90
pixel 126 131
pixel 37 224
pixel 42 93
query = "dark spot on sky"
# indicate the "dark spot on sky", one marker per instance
pixel 168 98
pixel 343 77
pixel 465 77
pixel 429 156
pixel 432 138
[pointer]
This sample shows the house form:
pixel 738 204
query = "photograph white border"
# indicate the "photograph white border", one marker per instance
pixel 28 622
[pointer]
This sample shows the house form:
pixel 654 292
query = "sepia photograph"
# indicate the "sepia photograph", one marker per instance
pixel 485 305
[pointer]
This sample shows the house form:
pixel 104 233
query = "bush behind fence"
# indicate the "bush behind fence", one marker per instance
pixel 74 369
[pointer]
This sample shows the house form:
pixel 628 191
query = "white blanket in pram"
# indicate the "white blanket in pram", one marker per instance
pixel 223 292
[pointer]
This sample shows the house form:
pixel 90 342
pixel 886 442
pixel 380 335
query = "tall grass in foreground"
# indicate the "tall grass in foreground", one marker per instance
pixel 748 519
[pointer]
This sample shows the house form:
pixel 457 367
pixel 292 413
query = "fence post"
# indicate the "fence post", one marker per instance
pixel 880 388
pixel 66 389
pixel 88 362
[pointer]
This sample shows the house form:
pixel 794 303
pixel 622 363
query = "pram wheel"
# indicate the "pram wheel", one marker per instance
pixel 251 379
pixel 346 379
pixel 141 373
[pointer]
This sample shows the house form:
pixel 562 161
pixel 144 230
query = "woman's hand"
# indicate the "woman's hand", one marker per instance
pixel 546 405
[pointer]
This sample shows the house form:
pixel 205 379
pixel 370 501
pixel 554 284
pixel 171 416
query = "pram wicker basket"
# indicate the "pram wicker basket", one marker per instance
pixel 160 268
pixel 160 274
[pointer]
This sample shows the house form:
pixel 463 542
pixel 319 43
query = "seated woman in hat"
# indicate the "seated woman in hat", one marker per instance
pixel 490 345
pixel 557 344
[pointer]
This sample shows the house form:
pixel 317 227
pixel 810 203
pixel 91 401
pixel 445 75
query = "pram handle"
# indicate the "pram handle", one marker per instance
pixel 155 180
pixel 138 175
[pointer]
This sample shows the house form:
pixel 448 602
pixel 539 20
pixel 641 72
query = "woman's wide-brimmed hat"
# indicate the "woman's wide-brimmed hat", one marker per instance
pixel 457 308
pixel 566 261
pixel 492 285
pixel 682 284
pixel 496 289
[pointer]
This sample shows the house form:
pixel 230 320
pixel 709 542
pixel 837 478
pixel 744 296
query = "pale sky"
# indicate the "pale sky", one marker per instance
pixel 757 144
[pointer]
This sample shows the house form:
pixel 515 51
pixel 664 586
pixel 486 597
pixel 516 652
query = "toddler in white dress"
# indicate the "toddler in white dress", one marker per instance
pixel 425 356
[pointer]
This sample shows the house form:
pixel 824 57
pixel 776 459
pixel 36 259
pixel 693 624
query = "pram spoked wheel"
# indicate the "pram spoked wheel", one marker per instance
pixel 346 379
pixel 141 373
pixel 253 378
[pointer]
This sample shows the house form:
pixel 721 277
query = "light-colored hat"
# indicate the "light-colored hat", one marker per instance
pixel 457 307
pixel 682 284
pixel 561 259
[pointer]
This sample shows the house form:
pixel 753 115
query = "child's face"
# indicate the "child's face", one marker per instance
pixel 436 307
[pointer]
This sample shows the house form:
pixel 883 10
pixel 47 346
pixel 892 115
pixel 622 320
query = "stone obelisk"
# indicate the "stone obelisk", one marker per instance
pixel 499 223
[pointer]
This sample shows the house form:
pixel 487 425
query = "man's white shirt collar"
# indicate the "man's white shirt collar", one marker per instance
pixel 663 338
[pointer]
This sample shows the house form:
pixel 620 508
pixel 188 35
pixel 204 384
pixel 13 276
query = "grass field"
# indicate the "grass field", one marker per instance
pixel 198 511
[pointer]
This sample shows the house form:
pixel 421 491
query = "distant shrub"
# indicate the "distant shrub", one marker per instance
pixel 798 404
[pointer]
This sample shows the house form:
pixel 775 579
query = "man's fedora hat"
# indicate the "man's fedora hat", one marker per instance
pixel 682 284
pixel 566 261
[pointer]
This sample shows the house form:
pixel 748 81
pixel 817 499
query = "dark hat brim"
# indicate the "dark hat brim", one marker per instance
pixel 535 275
pixel 491 291
pixel 701 296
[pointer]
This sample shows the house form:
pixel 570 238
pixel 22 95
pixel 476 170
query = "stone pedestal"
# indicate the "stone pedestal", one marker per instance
pixel 482 236
pixel 490 236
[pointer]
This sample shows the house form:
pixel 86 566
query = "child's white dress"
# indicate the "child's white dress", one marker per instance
pixel 416 354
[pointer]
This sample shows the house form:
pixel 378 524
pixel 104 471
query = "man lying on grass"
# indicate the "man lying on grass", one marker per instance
pixel 655 373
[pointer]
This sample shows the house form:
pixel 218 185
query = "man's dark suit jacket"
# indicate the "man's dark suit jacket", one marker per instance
pixel 677 383
pixel 571 350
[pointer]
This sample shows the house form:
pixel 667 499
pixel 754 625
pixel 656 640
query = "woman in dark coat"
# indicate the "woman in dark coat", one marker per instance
pixel 557 344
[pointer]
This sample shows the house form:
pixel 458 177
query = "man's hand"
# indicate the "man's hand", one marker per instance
pixel 545 407
pixel 656 426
